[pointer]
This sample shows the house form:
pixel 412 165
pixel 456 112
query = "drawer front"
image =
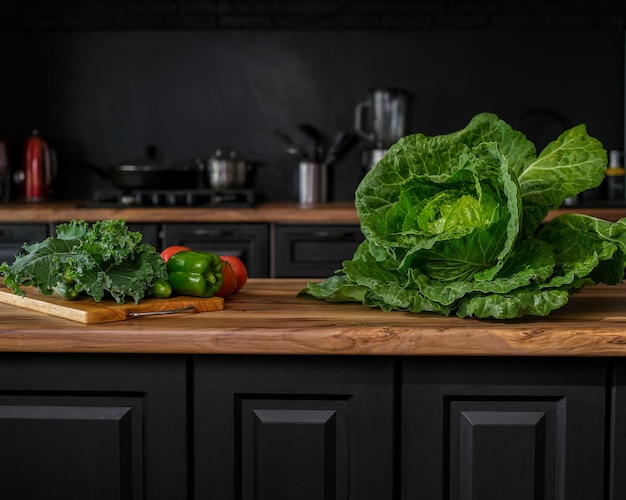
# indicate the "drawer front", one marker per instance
pixel 249 242
pixel 314 251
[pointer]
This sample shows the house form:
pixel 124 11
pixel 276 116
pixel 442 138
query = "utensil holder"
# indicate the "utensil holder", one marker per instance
pixel 312 183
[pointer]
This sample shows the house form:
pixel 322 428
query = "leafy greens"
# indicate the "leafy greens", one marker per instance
pixel 454 224
pixel 104 259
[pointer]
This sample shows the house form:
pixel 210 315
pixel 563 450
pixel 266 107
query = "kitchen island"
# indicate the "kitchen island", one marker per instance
pixel 284 397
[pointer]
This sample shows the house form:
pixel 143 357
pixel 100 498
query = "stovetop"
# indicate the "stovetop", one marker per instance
pixel 172 198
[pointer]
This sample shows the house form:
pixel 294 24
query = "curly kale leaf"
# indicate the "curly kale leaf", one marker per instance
pixel 103 259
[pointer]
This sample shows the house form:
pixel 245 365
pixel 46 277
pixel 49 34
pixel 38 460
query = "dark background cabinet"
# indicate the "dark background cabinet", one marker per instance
pixel 313 251
pixel 249 242
pixel 267 250
pixel 13 237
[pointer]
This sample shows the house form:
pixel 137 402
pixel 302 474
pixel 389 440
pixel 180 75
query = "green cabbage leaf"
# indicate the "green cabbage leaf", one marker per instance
pixel 454 224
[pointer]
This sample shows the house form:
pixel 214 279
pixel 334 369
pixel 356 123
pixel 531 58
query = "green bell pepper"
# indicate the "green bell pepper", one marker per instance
pixel 195 273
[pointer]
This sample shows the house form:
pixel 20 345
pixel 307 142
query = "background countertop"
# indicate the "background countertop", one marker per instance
pixel 339 212
pixel 287 212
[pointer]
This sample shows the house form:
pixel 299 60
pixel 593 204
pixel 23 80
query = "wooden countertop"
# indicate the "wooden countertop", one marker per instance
pixel 341 212
pixel 266 317
pixel 276 212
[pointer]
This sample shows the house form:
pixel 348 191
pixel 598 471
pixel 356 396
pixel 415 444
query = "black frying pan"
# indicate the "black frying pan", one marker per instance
pixel 148 174
pixel 152 176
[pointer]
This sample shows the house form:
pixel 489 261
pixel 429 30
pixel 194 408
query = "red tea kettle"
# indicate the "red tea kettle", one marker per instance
pixel 38 169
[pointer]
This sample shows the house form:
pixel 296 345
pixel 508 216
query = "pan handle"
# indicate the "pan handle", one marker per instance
pixel 90 166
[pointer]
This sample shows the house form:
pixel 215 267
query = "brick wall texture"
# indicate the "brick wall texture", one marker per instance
pixel 110 15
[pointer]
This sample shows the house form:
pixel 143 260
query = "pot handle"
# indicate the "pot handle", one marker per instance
pixel 358 120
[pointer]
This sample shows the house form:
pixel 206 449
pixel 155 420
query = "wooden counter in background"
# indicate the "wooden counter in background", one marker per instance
pixel 342 212
pixel 286 212
pixel 267 318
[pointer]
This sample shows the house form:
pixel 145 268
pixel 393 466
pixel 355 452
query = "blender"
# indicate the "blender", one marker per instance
pixel 381 119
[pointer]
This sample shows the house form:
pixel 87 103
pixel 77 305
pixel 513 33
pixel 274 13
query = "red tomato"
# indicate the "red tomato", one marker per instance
pixel 169 251
pixel 229 285
pixel 240 270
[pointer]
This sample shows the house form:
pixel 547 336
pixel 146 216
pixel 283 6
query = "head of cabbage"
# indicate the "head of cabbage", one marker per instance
pixel 454 224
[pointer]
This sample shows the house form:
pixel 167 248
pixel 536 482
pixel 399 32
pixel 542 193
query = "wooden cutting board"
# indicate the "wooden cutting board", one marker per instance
pixel 89 311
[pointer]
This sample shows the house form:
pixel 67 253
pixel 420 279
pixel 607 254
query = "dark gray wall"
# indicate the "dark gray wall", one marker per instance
pixel 104 94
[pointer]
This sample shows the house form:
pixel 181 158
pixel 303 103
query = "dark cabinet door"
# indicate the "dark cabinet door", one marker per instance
pixel 272 428
pixel 13 237
pixel 313 251
pixel 249 242
pixel 77 427
pixel 492 429
pixel 617 479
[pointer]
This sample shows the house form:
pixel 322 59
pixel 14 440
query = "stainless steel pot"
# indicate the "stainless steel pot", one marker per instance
pixel 228 172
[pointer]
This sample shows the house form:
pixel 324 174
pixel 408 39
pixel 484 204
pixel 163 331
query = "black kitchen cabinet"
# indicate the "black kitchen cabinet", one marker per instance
pixel 313 251
pixel 249 242
pixel 13 237
pixel 278 428
pixel 527 429
pixel 617 479
pixel 76 427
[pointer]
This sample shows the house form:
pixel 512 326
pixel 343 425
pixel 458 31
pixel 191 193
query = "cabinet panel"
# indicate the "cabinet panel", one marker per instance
pixel 83 451
pixel 617 480
pixel 93 426
pixel 13 237
pixel 313 251
pixel 514 448
pixel 525 429
pixel 249 242
pixel 282 428
pixel 293 439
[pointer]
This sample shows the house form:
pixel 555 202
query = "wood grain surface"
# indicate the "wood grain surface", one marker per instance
pixel 342 212
pixel 337 212
pixel 88 310
pixel 267 317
